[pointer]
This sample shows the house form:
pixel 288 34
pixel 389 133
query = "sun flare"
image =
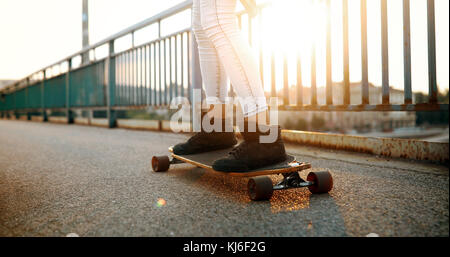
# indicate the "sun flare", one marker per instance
pixel 293 29
pixel 290 25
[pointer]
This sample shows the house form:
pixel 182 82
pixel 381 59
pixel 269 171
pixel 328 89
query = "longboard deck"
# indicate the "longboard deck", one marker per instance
pixel 205 160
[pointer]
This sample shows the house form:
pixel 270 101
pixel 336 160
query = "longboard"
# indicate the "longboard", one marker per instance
pixel 260 186
pixel 206 160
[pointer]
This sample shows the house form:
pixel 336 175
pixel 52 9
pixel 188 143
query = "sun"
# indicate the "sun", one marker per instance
pixel 291 25
pixel 290 29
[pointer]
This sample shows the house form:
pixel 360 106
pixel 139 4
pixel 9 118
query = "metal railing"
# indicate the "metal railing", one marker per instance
pixel 153 73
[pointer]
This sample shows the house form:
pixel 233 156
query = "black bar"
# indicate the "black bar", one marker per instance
pixel 346 53
pixel 299 81
pixel 407 51
pixel 384 52
pixel 364 55
pixel 432 84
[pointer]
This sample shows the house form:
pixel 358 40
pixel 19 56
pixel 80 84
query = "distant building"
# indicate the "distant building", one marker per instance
pixel 346 121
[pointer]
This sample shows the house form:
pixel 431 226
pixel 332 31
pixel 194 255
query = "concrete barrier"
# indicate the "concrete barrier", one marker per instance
pixel 58 120
pixel 389 147
pixel 184 127
pixel 37 118
pixel 154 125
pixel 139 124
pixel 99 122
pixel 94 121
pixel 81 121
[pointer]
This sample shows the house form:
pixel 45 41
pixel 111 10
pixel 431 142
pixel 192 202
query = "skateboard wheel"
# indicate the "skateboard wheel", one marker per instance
pixel 160 163
pixel 260 188
pixel 323 182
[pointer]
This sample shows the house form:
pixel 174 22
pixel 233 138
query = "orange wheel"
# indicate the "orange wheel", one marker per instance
pixel 260 188
pixel 323 182
pixel 160 163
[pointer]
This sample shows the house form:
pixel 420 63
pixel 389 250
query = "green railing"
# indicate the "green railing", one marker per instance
pixel 145 75
pixel 153 73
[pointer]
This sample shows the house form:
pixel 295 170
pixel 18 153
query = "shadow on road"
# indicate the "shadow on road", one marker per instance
pixel 318 212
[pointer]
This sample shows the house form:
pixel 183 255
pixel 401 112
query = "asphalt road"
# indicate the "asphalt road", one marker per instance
pixel 62 179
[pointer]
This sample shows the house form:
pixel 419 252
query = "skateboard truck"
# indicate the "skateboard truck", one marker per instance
pixel 292 180
pixel 175 161
pixel 261 188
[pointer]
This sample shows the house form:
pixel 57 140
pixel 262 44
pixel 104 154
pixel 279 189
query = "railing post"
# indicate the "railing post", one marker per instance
pixel 346 83
pixel 432 84
pixel 69 112
pixel 364 55
pixel 384 53
pixel 313 76
pixel 286 99
pixel 27 102
pixel 407 52
pixel 15 103
pixel 111 87
pixel 329 80
pixel 44 112
pixel 299 81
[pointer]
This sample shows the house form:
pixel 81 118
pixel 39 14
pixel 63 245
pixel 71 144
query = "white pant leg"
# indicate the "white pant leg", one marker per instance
pixel 213 73
pixel 218 21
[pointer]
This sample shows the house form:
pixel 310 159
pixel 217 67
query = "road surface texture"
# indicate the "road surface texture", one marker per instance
pixel 61 179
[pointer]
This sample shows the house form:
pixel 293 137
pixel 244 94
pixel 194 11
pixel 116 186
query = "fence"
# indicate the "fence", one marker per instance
pixel 153 73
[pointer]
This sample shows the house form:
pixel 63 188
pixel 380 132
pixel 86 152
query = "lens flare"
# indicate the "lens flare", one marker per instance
pixel 161 202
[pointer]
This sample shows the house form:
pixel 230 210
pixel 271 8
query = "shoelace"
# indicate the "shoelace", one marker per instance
pixel 238 150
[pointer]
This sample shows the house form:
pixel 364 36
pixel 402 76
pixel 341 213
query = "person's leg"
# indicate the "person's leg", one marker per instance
pixel 213 74
pixel 216 82
pixel 219 22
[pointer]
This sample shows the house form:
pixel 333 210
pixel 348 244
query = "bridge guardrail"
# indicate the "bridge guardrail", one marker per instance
pixel 151 74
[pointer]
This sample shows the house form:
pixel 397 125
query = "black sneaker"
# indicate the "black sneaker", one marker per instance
pixel 205 142
pixel 251 154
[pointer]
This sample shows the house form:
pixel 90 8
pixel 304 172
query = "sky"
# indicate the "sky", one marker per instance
pixel 38 33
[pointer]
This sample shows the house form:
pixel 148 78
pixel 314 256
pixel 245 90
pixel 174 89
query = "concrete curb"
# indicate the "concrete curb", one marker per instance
pixel 389 147
pixel 91 122
pixel 99 122
pixel 37 118
pixel 60 120
pixel 154 125
pixel 184 127
pixel 139 124
pixel 81 121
